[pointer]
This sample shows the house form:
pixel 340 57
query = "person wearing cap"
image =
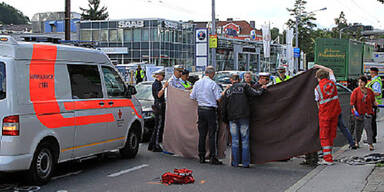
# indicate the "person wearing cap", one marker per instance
pixel 207 93
pixel 139 74
pixel 159 109
pixel 264 78
pixel 375 85
pixel 282 76
pixel 174 81
pixel 184 80
pixel 236 112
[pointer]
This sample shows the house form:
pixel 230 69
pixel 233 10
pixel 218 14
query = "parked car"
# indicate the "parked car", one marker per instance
pixel 144 95
pixel 344 94
pixel 222 78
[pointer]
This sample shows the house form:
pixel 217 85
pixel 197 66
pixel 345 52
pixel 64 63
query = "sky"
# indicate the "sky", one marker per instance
pixel 367 12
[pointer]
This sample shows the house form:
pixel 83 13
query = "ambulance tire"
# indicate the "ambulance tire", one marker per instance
pixel 131 146
pixel 42 165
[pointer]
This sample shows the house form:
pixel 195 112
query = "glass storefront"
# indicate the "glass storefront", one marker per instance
pixel 155 41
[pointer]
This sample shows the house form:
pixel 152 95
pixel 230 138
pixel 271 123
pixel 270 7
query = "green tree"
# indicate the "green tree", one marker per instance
pixel 11 15
pixel 93 12
pixel 347 30
pixel 275 32
pixel 305 27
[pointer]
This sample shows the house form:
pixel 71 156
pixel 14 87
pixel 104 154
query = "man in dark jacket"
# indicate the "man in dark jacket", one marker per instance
pixel 236 111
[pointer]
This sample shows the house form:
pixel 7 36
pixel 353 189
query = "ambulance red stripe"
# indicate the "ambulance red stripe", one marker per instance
pixel 42 93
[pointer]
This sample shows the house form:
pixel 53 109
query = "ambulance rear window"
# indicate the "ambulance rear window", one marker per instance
pixel 2 80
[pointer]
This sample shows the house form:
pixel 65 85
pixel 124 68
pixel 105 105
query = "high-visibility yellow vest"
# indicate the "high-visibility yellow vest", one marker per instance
pixel 186 85
pixel 370 84
pixel 278 80
pixel 141 74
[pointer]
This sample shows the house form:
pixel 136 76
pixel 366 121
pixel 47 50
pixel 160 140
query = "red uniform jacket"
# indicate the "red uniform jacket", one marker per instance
pixel 363 103
pixel 329 106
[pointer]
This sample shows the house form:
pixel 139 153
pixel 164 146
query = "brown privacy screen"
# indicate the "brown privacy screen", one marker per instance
pixel 181 135
pixel 283 122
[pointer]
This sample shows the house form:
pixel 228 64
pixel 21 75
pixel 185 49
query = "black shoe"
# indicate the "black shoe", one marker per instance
pixel 202 160
pixel 150 147
pixel 157 149
pixel 365 141
pixel 352 147
pixel 215 161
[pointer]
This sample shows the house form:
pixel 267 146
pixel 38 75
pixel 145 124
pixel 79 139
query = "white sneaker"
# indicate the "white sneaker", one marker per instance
pixel 324 162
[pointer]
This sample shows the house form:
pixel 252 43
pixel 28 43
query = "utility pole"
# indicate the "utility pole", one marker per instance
pixel 67 19
pixel 213 32
pixel 297 43
pixel 298 17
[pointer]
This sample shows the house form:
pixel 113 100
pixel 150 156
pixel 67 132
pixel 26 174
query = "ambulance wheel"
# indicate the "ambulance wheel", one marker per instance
pixel 42 166
pixel 131 146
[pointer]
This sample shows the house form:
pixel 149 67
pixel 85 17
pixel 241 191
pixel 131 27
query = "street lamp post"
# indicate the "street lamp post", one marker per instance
pixel 213 32
pixel 297 43
pixel 297 33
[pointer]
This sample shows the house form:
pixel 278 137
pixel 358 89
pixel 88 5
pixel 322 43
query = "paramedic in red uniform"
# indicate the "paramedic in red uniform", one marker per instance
pixel 329 110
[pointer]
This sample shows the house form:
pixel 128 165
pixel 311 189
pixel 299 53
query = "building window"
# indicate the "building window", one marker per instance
pixel 120 34
pixel 85 25
pixel 95 25
pixel 104 25
pixel 104 35
pixel 112 35
pixel 136 35
pixel 145 34
pixel 85 35
pixel 166 38
pixel 96 35
pixel 127 35
pixel 85 81
pixel 154 34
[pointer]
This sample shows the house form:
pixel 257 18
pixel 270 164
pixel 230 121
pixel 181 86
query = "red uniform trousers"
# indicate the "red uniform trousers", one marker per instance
pixel 327 135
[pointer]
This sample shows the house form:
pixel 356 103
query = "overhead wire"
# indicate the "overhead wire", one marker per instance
pixel 365 11
pixel 361 16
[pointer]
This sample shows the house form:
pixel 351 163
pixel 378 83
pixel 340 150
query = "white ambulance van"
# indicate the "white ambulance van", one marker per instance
pixel 60 103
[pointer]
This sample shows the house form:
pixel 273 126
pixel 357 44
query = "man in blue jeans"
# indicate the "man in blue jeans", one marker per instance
pixel 235 109
pixel 346 132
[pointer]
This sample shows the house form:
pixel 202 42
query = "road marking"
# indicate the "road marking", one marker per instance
pixel 127 170
pixel 66 175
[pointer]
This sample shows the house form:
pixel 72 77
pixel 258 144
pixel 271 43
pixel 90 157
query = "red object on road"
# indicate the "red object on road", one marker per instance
pixel 180 176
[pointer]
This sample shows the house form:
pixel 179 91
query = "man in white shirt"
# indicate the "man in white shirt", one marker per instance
pixel 206 92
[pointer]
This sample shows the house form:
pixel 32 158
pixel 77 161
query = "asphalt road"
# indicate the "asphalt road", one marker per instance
pixel 142 173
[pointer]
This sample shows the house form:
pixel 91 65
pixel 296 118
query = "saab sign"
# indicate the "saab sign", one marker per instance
pixel 131 24
pixel 114 50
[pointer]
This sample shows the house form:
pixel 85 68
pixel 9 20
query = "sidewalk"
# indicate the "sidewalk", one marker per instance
pixel 342 177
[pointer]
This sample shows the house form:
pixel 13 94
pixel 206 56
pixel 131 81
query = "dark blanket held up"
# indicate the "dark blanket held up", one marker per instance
pixel 284 121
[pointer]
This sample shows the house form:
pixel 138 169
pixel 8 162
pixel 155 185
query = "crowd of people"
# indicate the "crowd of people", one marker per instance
pixel 235 110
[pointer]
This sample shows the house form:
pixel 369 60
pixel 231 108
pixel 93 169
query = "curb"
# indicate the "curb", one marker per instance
pixel 299 184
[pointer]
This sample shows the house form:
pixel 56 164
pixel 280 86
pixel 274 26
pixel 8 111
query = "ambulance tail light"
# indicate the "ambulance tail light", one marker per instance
pixel 11 126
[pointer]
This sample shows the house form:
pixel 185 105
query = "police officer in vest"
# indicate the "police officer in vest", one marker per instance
pixel 184 80
pixel 175 81
pixel 159 109
pixel 376 85
pixel 281 75
pixel 139 74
